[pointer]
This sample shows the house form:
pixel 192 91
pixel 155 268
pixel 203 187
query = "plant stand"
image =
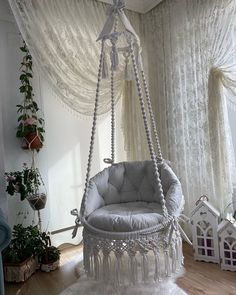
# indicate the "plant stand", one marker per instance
pixel 14 272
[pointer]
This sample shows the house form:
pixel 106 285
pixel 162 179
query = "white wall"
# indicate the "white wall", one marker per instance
pixel 65 154
pixel 9 58
pixel 63 159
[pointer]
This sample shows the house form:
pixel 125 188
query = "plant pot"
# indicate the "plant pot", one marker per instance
pixel 19 272
pixel 37 201
pixel 47 267
pixel 32 141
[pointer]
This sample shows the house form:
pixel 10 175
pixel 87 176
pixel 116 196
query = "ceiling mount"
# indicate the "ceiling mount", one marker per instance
pixel 141 6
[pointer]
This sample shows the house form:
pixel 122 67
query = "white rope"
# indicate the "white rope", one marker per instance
pixel 113 53
pixel 153 123
pixel 147 130
pixel 93 128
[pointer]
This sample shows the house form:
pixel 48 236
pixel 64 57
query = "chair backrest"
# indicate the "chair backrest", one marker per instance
pixel 132 181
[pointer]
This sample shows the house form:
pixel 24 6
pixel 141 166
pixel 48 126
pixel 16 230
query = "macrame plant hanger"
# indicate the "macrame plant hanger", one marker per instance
pixel 37 199
pixel 163 239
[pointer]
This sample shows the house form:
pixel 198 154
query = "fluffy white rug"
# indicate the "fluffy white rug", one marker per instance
pixel 85 286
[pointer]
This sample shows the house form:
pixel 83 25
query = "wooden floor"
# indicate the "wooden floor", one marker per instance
pixel 200 278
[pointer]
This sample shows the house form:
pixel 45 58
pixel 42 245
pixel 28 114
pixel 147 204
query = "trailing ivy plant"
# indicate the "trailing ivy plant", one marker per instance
pixel 29 121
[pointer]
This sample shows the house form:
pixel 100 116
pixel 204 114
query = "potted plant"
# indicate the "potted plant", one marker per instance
pixel 27 183
pixel 31 126
pixel 21 256
pixel 50 258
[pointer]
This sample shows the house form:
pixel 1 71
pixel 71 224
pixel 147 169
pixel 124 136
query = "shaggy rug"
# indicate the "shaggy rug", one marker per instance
pixel 88 287
pixel 85 286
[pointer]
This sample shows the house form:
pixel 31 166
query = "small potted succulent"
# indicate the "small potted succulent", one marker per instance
pixel 31 126
pixel 27 183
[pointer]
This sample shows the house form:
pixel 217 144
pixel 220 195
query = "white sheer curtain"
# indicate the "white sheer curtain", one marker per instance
pixel 189 48
pixel 190 64
pixel 62 37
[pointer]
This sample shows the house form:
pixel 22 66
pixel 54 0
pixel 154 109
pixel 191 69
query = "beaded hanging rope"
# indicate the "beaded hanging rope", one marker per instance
pixel 124 257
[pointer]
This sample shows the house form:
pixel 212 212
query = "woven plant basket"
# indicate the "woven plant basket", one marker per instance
pixel 19 272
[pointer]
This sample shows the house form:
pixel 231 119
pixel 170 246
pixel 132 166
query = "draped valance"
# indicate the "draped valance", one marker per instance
pixel 61 36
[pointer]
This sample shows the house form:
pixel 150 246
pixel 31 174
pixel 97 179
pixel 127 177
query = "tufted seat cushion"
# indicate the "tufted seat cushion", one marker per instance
pixel 125 217
pixel 125 197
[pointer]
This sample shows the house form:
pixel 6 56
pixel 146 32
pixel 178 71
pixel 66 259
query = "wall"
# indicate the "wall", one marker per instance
pixel 63 160
pixel 9 58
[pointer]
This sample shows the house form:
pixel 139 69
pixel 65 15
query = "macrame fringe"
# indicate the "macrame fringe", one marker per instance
pixel 132 263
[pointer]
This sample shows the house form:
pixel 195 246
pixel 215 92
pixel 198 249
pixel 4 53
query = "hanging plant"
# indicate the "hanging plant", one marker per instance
pixel 28 183
pixel 31 126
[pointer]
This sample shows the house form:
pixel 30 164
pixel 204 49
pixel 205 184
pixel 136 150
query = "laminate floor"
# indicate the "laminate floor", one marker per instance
pixel 200 278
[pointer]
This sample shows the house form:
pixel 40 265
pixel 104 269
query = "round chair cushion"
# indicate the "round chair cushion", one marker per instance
pixel 126 217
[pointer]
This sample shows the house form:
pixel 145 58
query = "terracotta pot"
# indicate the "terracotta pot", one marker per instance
pixel 37 201
pixel 32 141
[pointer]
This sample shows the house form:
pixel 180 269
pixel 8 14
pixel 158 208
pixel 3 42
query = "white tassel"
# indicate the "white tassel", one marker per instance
pixel 114 58
pixel 106 267
pixel 179 254
pixel 105 71
pixel 97 263
pixel 87 262
pixel 145 267
pixel 114 54
pixel 128 71
pixel 91 264
pixel 133 269
pixel 118 269
pixel 157 274
pixel 173 257
pixel 167 263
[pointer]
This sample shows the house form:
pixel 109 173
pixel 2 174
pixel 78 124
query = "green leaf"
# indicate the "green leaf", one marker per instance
pixel 40 129
pixel 29 75
pixel 22 89
pixel 23 76
pixel 23 49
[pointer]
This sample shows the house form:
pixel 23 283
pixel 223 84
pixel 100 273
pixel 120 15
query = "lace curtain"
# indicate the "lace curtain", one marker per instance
pixel 62 37
pixel 191 72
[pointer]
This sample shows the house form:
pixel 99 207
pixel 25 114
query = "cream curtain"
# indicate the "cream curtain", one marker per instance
pixel 190 51
pixel 191 70
pixel 62 38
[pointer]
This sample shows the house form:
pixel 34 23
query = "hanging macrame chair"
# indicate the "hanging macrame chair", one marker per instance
pixel 129 210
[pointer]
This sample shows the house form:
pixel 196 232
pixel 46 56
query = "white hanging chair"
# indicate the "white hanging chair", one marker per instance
pixel 129 210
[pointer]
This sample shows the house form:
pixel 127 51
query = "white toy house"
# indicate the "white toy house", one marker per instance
pixel 204 222
pixel 227 241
